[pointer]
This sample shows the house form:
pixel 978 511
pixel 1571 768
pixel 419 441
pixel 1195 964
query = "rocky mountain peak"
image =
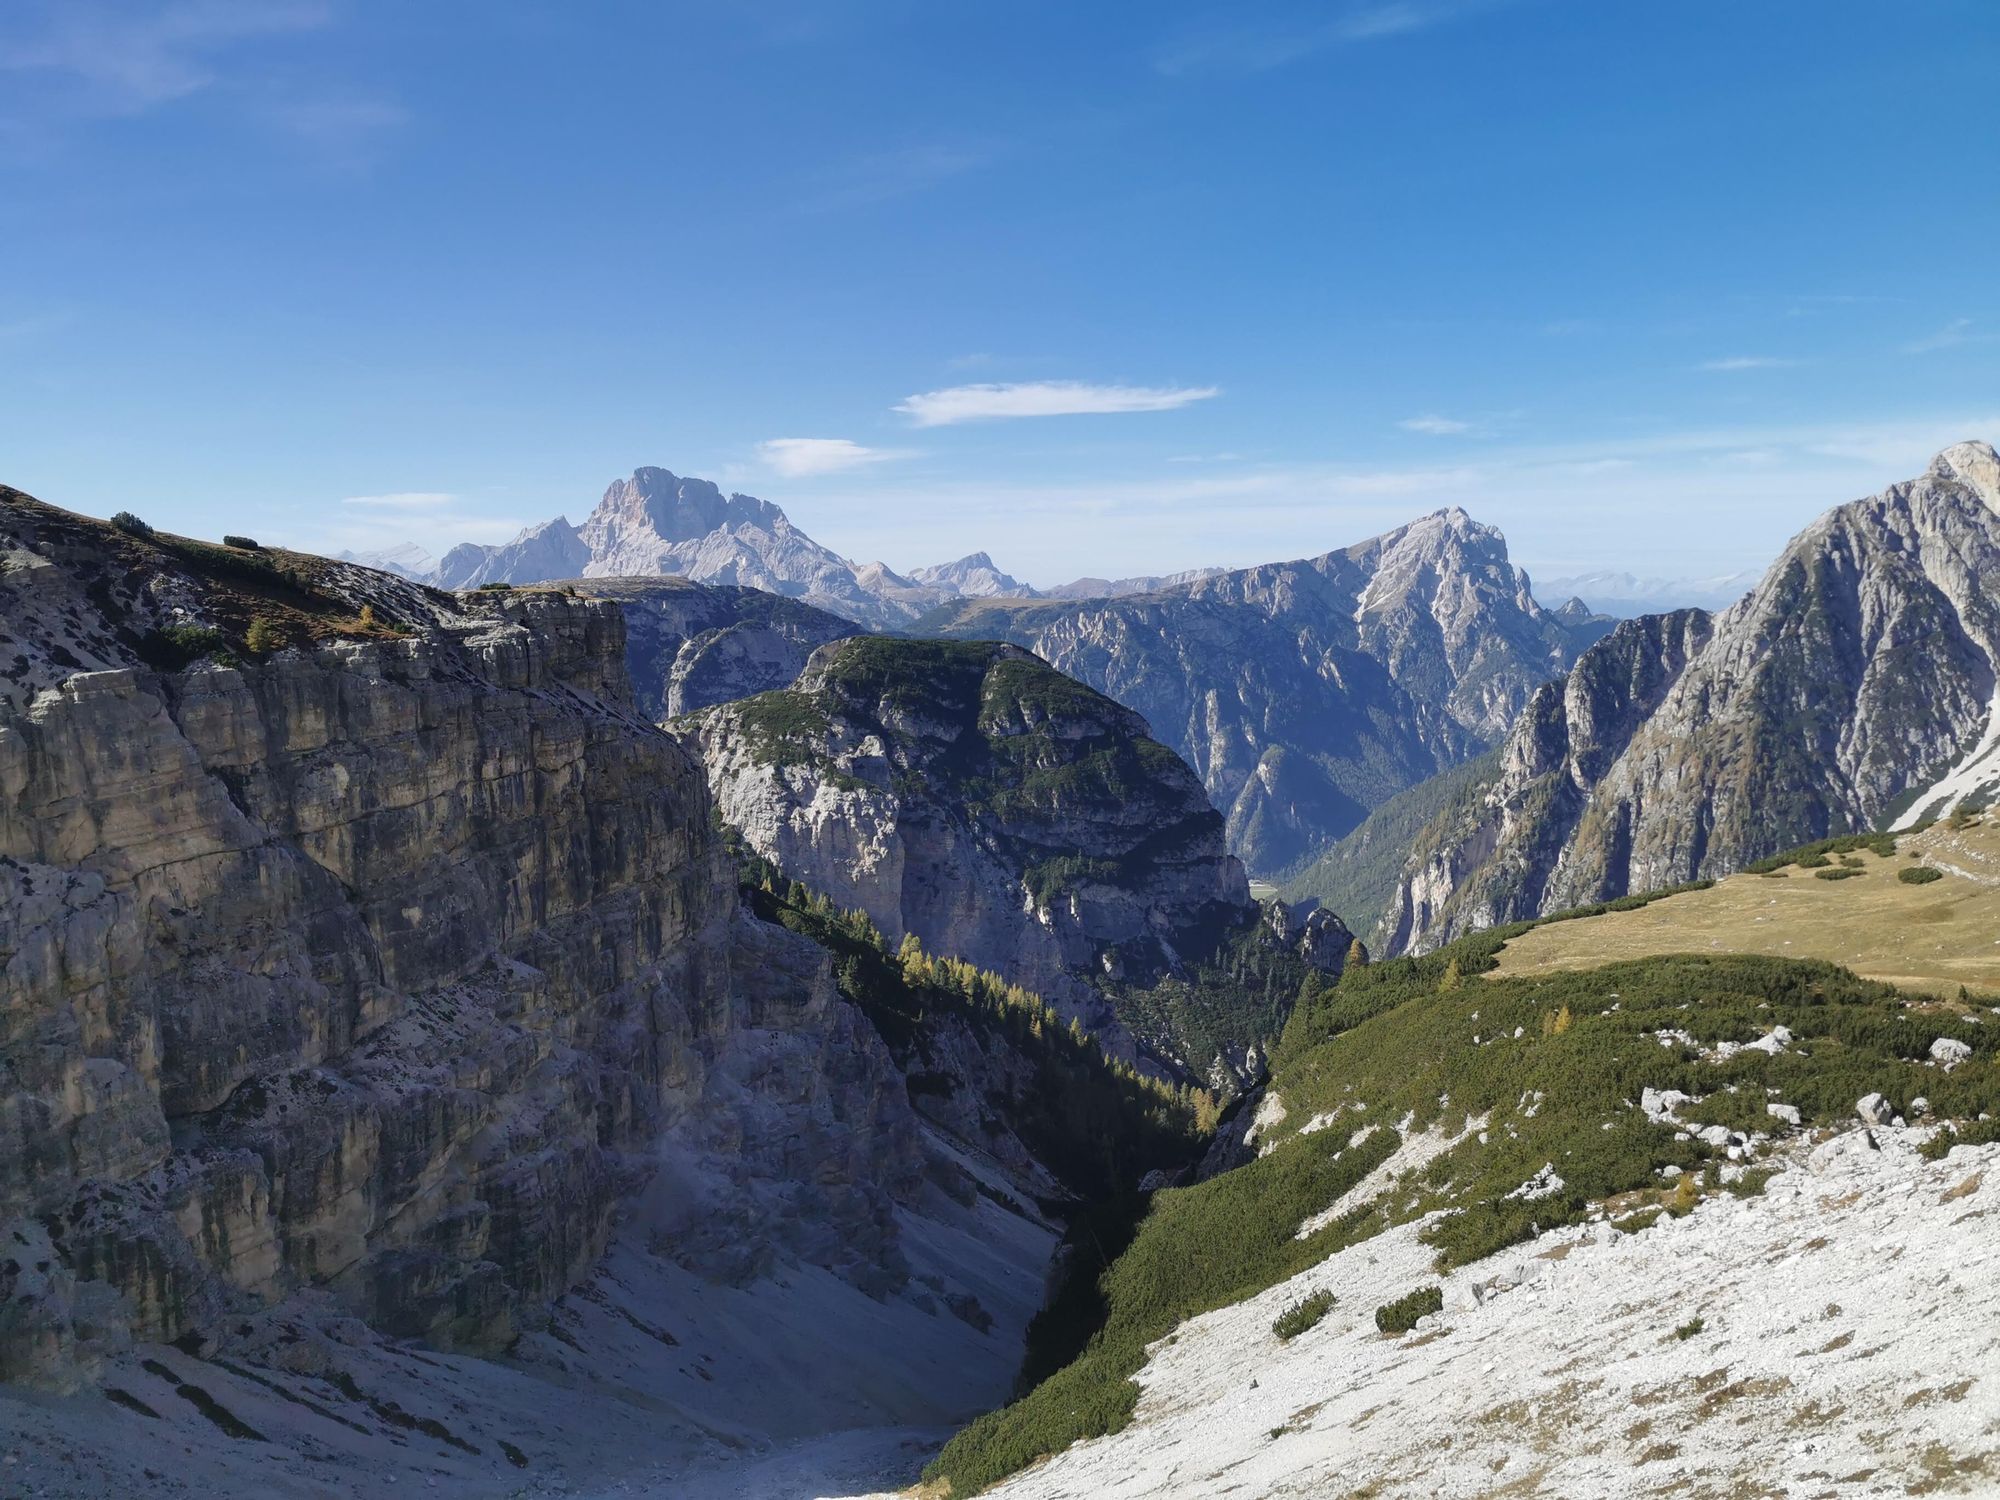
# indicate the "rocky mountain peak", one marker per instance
pixel 974 576
pixel 672 509
pixel 1854 685
pixel 1976 466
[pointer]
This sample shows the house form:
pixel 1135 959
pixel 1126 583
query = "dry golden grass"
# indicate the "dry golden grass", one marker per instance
pixel 1932 937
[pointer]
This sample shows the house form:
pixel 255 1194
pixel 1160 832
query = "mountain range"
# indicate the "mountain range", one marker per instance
pixel 1852 688
pixel 623 1031
pixel 1609 592
pixel 1307 693
pixel 659 524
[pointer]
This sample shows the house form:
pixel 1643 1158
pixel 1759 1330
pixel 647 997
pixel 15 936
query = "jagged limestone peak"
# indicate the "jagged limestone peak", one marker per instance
pixel 1976 466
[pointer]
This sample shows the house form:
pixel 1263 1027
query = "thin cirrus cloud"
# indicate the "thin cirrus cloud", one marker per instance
pixel 1232 46
pixel 404 500
pixel 802 458
pixel 1739 362
pixel 63 62
pixel 1958 331
pixel 1433 425
pixel 125 58
pixel 1044 398
pixel 882 176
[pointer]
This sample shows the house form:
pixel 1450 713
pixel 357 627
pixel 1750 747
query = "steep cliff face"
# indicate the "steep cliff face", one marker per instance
pixel 1854 684
pixel 379 960
pixel 971 795
pixel 690 645
pixel 1307 693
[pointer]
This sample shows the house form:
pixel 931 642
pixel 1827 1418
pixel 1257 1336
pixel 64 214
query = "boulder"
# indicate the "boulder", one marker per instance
pixel 1948 1052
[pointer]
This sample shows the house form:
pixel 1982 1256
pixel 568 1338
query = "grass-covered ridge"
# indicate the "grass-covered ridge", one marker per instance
pixel 1532 1088
pixel 1914 909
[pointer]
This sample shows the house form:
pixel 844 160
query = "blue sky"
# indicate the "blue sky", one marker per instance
pixel 1099 288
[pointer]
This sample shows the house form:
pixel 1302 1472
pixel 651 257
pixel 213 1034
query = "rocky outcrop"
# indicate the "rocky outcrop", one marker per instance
pixel 970 795
pixel 1307 693
pixel 1855 684
pixel 379 960
pixel 690 645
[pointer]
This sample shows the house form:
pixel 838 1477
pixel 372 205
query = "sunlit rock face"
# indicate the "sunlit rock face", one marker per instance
pixel 1853 687
pixel 1305 694
pixel 969 794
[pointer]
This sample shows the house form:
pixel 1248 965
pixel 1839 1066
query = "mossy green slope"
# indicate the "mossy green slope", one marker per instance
pixel 1535 1081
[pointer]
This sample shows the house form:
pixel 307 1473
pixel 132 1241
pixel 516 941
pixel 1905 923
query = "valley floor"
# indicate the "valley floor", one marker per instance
pixel 651 1381
pixel 1838 1336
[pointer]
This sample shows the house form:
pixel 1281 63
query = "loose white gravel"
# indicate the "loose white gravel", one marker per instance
pixel 1848 1344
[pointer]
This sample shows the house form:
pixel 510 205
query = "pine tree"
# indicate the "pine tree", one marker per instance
pixel 1357 954
pixel 262 637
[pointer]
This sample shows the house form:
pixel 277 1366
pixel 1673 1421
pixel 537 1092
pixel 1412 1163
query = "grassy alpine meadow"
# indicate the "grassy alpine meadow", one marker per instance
pixel 1915 909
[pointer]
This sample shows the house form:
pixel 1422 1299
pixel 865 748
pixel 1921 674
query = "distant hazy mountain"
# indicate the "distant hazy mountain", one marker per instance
pixel 657 523
pixel 549 550
pixel 407 560
pixel 1112 588
pixel 974 576
pixel 1853 687
pixel 1625 595
pixel 1305 694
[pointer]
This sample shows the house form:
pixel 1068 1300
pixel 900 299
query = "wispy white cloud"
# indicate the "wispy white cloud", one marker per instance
pixel 1231 45
pixel 33 325
pixel 1810 304
pixel 405 500
pixel 342 128
pixel 802 458
pixel 880 176
pixel 1738 362
pixel 1958 331
pixel 1433 425
pixel 64 63
pixel 1044 398
pixel 125 58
